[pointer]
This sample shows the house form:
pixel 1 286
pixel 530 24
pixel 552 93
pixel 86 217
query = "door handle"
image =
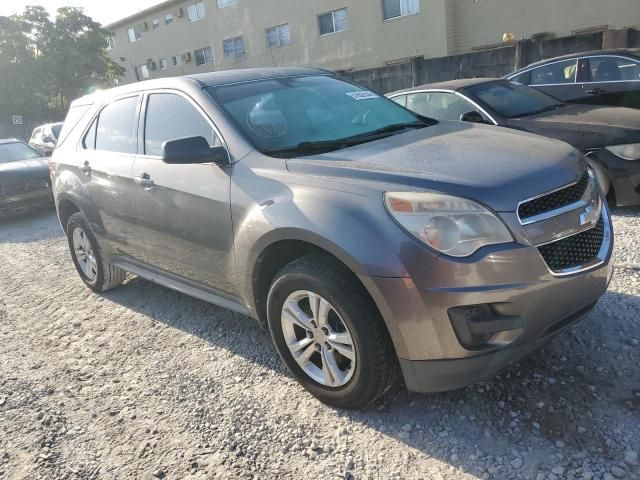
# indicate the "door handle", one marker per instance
pixel 86 168
pixel 145 181
pixel 596 91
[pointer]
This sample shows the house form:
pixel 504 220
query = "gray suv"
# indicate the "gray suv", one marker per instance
pixel 370 240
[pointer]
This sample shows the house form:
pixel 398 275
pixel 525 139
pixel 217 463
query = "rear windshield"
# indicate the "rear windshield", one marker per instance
pixel 512 99
pixel 14 152
pixel 281 113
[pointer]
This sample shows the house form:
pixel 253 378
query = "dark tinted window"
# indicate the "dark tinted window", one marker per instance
pixel 613 69
pixel 117 127
pixel 512 99
pixel 90 138
pixel 56 130
pixel 170 117
pixel 523 78
pixel 555 73
pixel 13 152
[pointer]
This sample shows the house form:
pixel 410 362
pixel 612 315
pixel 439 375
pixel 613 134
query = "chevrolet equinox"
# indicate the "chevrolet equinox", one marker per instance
pixel 371 241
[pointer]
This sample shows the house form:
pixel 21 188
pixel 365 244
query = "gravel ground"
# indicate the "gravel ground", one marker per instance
pixel 143 382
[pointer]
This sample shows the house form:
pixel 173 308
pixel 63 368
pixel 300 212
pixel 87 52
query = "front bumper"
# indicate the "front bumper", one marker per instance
pixel 15 204
pixel 512 281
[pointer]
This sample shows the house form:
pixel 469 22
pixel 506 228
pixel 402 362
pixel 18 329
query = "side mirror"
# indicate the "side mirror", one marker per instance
pixel 48 139
pixel 185 151
pixel 473 117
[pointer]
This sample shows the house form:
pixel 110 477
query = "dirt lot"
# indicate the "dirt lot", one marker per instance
pixel 144 382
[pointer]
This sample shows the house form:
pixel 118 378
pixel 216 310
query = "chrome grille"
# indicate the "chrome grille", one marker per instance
pixel 554 200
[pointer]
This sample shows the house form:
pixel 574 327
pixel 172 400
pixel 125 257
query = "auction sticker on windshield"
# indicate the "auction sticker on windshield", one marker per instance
pixel 362 95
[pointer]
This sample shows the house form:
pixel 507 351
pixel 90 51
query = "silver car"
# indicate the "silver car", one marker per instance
pixel 45 137
pixel 371 241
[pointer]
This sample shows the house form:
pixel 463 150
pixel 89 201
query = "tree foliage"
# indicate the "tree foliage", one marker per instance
pixel 47 62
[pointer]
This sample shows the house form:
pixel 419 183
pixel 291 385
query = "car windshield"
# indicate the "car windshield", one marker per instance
pixel 309 114
pixel 512 99
pixel 16 151
pixel 56 130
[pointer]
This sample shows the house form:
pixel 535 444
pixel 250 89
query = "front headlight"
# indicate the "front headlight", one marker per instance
pixel 452 225
pixel 626 152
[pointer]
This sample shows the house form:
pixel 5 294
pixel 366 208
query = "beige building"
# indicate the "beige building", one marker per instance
pixel 188 36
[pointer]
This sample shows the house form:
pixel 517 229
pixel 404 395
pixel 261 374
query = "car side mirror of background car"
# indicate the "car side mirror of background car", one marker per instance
pixel 191 150
pixel 473 117
pixel 48 139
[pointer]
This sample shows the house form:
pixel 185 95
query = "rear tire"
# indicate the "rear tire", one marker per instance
pixel 354 362
pixel 96 272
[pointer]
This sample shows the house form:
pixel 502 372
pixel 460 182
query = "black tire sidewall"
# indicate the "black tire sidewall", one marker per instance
pixel 77 220
pixel 355 319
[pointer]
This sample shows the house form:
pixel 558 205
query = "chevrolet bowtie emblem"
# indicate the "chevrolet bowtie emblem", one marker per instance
pixel 588 216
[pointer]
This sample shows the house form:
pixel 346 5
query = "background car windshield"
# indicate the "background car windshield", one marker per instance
pixel 56 130
pixel 511 99
pixel 14 152
pixel 283 112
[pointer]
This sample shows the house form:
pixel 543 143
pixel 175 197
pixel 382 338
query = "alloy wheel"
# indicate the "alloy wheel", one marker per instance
pixel 318 338
pixel 85 254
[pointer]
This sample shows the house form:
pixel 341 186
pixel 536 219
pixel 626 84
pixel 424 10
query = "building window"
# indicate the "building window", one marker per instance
pixel 155 23
pixel 143 71
pixel 332 22
pixel 226 3
pixel 135 34
pixel 164 64
pixel 110 43
pixel 177 60
pixel 399 8
pixel 168 19
pixel 279 36
pixel 203 56
pixel 196 11
pixel 234 47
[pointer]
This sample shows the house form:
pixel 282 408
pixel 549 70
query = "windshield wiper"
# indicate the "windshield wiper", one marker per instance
pixel 545 109
pixel 325 146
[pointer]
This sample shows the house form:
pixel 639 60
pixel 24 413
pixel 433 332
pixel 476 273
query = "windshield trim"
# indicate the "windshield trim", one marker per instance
pixel 210 89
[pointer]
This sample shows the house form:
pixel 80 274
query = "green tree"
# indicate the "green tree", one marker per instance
pixel 45 63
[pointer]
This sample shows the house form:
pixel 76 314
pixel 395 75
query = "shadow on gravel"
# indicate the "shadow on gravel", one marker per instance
pixel 573 393
pixel 33 226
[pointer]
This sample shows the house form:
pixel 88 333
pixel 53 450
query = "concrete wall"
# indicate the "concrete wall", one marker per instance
pixel 487 63
pixel 474 23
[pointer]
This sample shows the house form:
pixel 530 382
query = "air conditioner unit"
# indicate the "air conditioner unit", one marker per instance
pixel 151 65
pixel 186 57
pixel 180 12
pixel 145 26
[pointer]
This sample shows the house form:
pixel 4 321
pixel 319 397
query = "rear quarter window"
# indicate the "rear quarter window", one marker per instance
pixel 74 116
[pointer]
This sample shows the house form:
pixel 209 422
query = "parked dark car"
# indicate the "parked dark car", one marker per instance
pixel 609 136
pixel 363 235
pixel 24 178
pixel 45 137
pixel 603 77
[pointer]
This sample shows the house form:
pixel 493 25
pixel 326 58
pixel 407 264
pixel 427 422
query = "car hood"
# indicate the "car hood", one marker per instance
pixel 22 171
pixel 584 126
pixel 496 166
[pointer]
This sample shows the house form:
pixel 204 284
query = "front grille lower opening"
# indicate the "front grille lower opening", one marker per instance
pixel 574 251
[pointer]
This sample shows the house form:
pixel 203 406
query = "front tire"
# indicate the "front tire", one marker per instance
pixel 96 272
pixel 329 333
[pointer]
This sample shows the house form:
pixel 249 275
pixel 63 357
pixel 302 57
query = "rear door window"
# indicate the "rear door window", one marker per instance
pixel 184 121
pixel 555 73
pixel 116 130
